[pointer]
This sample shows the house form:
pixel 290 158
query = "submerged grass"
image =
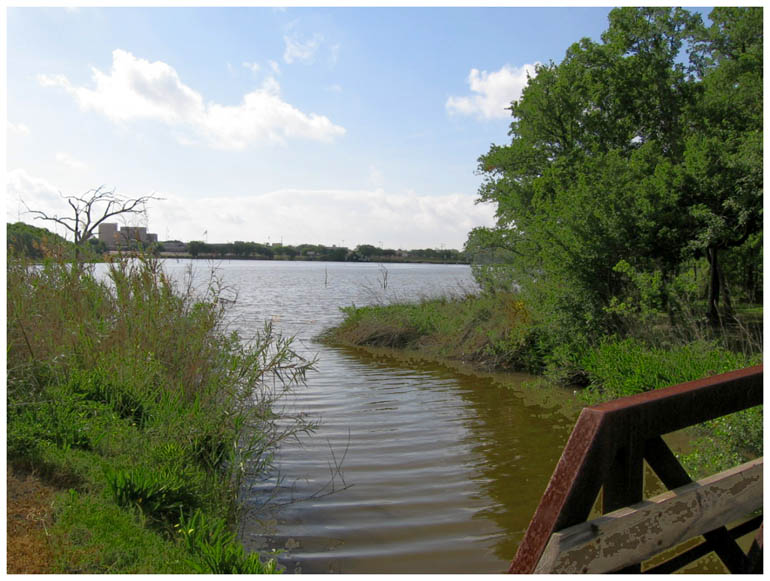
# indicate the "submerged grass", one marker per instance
pixel 131 396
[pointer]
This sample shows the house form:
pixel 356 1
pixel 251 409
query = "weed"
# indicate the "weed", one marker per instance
pixel 216 549
pixel 161 495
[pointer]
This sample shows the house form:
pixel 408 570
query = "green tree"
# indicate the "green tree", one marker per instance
pixel 196 247
pixel 241 249
pixel 367 251
pixel 32 242
pixel 723 157
pixel 626 162
pixel 587 180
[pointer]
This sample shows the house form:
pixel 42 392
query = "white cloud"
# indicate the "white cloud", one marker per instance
pixel 53 81
pixel 276 68
pixel 376 177
pixel 69 161
pixel 138 89
pixel 253 67
pixel 36 193
pixel 326 217
pixel 494 92
pixel 365 216
pixel 18 128
pixel 301 50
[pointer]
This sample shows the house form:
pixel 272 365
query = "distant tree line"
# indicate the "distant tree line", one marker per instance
pixel 361 253
pixel 38 243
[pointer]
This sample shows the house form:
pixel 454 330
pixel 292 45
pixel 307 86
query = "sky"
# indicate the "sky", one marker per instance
pixel 336 126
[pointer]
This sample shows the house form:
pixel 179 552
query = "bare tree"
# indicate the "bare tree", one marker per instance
pixel 93 208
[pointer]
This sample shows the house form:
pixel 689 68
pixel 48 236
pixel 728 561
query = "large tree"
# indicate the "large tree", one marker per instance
pixel 594 184
pixel 584 182
pixel 723 156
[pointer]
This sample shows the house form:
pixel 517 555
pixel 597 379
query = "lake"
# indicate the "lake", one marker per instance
pixel 440 470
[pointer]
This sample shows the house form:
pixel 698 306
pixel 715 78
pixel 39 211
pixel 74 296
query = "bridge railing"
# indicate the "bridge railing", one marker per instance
pixel 606 452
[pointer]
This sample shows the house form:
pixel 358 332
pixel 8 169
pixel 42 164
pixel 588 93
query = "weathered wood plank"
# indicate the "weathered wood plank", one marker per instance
pixel 632 534
pixel 662 460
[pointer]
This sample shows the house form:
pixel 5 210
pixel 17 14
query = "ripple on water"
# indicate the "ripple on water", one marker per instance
pixel 441 472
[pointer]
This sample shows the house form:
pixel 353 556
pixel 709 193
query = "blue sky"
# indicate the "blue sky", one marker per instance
pixel 324 125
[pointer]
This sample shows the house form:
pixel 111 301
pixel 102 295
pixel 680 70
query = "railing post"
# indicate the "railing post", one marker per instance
pixel 624 485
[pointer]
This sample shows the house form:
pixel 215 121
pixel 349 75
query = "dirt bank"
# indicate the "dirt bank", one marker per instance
pixel 29 503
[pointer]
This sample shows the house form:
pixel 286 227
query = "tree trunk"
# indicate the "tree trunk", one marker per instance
pixel 725 292
pixel 713 296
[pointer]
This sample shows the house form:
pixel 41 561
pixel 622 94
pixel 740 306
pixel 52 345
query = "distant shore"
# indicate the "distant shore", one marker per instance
pixel 377 259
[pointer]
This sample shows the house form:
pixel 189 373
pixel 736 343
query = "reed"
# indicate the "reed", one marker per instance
pixel 131 391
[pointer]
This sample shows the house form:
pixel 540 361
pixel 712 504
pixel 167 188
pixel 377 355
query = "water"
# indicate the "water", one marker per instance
pixel 440 471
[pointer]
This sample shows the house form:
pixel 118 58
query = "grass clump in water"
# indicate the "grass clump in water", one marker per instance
pixel 489 330
pixel 130 393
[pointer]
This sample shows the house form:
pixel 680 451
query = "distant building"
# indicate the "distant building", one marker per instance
pixel 108 233
pixel 126 236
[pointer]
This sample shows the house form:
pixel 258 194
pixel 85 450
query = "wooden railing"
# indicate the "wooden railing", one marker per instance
pixel 607 451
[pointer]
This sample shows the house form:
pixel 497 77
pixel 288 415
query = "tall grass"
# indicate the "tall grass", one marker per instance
pixel 492 331
pixel 131 391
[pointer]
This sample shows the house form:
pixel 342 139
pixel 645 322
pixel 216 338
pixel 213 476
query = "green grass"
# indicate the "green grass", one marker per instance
pixel 490 330
pixel 618 368
pixel 130 393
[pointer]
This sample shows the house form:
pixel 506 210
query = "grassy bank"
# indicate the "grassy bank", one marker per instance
pixel 496 331
pixel 491 331
pixel 129 396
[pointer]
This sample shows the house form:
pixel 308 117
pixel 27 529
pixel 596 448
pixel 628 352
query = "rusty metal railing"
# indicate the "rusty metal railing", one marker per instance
pixel 607 450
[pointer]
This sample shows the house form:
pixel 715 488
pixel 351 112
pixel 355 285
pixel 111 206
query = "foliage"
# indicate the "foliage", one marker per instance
pixel 618 368
pixel 320 252
pixel 37 244
pixel 624 165
pixel 216 549
pixel 133 392
pixel 726 442
pixel 160 494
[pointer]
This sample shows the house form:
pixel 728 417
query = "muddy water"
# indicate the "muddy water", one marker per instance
pixel 413 468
